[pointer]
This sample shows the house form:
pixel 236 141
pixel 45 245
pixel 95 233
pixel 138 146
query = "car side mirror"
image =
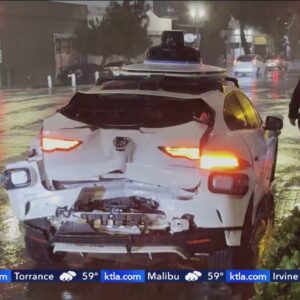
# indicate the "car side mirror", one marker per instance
pixel 273 123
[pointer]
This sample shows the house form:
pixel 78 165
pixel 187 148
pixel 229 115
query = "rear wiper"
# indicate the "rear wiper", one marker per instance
pixel 91 127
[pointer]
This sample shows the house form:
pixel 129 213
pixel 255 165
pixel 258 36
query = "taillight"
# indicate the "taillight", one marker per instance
pixel 219 160
pixel 181 152
pixel 254 61
pixel 50 144
pixel 226 183
pixel 235 62
pixel 214 160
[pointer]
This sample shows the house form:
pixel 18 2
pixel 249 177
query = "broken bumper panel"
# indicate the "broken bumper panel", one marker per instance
pixel 187 244
pixel 174 205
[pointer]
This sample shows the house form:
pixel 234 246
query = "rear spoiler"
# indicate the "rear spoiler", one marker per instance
pixel 157 80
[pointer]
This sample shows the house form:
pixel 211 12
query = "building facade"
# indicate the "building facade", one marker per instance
pixel 36 40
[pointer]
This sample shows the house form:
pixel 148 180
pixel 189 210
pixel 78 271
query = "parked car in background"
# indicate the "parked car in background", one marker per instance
pixel 85 74
pixel 115 67
pixel 249 64
pixel 276 62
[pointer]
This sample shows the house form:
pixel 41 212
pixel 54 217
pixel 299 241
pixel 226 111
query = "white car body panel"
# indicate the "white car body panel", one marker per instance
pixel 60 166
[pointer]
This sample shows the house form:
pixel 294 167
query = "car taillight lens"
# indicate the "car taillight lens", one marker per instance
pixel 181 152
pixel 57 144
pixel 219 160
pixel 226 183
pixel 254 61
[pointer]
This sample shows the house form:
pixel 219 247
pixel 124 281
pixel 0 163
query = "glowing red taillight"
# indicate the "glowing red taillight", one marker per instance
pixel 50 144
pixel 219 160
pixel 208 160
pixel 182 152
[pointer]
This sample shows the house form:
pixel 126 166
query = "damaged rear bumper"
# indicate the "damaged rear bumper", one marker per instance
pixel 208 211
pixel 184 244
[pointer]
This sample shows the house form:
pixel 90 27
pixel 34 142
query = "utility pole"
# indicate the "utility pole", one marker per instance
pixel 198 18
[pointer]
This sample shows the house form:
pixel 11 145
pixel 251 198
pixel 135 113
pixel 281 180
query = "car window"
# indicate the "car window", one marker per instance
pixel 233 114
pixel 246 58
pixel 252 117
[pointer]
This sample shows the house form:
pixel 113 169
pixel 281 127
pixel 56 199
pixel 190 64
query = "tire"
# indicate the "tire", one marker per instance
pixel 244 256
pixel 263 225
pixel 234 257
pixel 222 259
pixel 272 178
pixel 42 253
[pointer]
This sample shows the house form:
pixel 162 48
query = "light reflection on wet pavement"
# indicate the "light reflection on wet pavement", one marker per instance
pixel 21 115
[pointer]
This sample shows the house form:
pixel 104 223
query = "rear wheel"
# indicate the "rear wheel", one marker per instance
pixel 252 243
pixel 246 256
pixel 274 164
pixel 42 252
pixel 222 259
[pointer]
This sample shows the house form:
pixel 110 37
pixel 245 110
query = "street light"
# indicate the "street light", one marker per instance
pixel 193 13
pixel 201 13
pixel 197 16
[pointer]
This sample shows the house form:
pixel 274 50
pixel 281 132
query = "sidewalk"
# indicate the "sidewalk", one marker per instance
pixel 286 199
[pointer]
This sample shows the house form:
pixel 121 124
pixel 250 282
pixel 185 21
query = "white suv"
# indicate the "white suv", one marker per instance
pixel 166 158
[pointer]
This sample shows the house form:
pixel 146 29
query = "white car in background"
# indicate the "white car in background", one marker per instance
pixel 252 64
pixel 168 158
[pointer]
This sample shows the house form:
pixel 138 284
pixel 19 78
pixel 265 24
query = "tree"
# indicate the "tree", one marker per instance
pixel 293 29
pixel 128 24
pixel 212 43
pixel 270 19
pixel 122 31
pixel 217 17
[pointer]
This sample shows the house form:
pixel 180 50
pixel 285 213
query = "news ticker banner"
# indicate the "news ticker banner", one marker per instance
pixel 145 276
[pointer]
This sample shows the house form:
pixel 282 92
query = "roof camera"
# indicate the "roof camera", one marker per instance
pixel 173 49
pixel 171 39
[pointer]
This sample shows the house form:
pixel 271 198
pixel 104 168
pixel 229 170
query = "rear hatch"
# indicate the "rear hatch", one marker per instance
pixel 118 135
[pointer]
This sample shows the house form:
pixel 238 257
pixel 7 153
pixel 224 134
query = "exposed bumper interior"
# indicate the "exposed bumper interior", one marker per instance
pixel 185 244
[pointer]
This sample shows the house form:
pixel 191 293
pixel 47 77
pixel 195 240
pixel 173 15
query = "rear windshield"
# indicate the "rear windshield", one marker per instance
pixel 246 58
pixel 121 110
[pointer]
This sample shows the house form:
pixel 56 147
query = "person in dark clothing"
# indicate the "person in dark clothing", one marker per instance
pixel 295 105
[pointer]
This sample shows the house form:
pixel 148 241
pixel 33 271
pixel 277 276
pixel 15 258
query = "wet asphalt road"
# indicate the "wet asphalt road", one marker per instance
pixel 21 115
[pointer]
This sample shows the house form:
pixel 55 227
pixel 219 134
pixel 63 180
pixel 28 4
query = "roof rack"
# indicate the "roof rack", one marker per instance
pixel 182 84
pixel 159 79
